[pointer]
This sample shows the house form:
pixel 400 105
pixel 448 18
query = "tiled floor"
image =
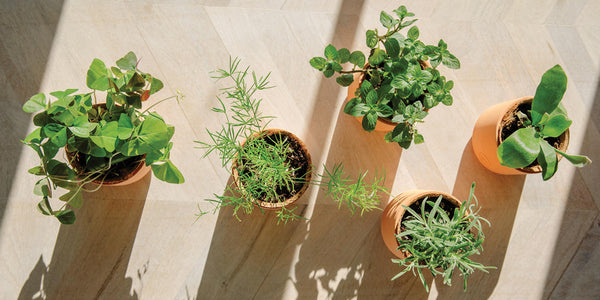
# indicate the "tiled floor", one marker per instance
pixel 142 242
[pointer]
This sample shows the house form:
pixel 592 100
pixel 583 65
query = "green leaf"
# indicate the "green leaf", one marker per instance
pixel 39 170
pixel 117 72
pixel 450 61
pixel 384 111
pixel 556 125
pixel 357 58
pixel 520 149
pixel 548 93
pixel 127 62
pixel 371 98
pixel 331 53
pixel 372 39
pixel 328 71
pixel 419 139
pixel 318 63
pixel 151 135
pixel 369 121
pixel 73 197
pixel 106 136
pixel 136 82
pixel 345 80
pixel 355 108
pixel 547 160
pixel 386 20
pixel 41 188
pixel 577 160
pixel 82 127
pixel 62 94
pixel 167 172
pixel 35 137
pixel 125 128
pixel 97 76
pixel 35 103
pixel 413 33
pixel 44 206
pixel 155 85
pixel 392 47
pixel 57 134
pixel 66 216
pixel 343 55
pixel 377 57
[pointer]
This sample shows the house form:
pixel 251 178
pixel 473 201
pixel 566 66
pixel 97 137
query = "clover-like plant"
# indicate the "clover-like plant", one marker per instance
pixel 358 194
pixel 397 83
pixel 442 241
pixel 546 120
pixel 99 139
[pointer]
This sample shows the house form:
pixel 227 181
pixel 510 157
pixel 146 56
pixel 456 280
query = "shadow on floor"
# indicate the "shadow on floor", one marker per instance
pixel 499 197
pixel 576 277
pixel 27 28
pixel 90 257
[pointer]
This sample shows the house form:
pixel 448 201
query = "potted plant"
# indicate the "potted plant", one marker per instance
pixel 271 168
pixel 105 143
pixel 399 83
pixel 527 135
pixel 439 233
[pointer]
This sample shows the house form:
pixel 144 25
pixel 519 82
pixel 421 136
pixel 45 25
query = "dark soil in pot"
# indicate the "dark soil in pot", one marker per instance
pixel 119 171
pixel 445 204
pixel 297 161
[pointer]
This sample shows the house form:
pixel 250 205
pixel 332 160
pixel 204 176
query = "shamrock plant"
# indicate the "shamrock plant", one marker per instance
pixel 546 120
pixel 98 138
pixel 396 83
pixel 442 241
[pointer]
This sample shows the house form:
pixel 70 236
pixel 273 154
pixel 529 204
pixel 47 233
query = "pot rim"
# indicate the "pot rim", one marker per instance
pixel 307 177
pixel 563 138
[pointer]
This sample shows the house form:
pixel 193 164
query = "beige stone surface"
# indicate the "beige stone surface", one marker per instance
pixel 143 241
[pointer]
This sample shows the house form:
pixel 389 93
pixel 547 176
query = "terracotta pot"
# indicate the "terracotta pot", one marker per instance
pixel 307 177
pixel 383 124
pixel 487 137
pixel 393 213
pixel 138 173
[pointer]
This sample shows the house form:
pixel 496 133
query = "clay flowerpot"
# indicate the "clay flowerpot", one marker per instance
pixel 300 148
pixel 394 212
pixel 383 124
pixel 487 137
pixel 131 170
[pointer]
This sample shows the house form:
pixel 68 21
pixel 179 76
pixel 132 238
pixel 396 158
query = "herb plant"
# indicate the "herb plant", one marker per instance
pixel 359 195
pixel 260 161
pixel 442 243
pixel 97 137
pixel 397 83
pixel 547 119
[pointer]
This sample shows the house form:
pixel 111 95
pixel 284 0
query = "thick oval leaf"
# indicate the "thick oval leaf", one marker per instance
pixel 369 121
pixel 355 108
pixel 167 172
pixel 371 39
pixel 548 93
pixel 556 125
pixel 357 58
pixel 343 55
pixel 520 149
pixel 386 20
pixel 371 98
pixel 577 160
pixel 547 160
pixel 392 47
pixel 377 57
pixel 97 76
pixel 155 85
pixel 413 33
pixel 330 52
pixel 44 206
pixel 318 63
pixel 35 103
pixel 450 61
pixel 345 80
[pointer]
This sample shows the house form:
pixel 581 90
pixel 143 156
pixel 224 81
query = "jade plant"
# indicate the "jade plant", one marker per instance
pixel 100 140
pixel 442 241
pixel 262 161
pixel 397 84
pixel 546 121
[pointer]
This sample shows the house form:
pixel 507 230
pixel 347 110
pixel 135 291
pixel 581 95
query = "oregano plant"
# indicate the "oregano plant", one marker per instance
pixel 98 137
pixel 546 120
pixel 400 81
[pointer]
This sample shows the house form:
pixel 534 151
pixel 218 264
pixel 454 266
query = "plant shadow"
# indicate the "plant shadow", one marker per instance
pixel 499 197
pixel 242 252
pixel 342 255
pixel 90 257
pixel 23 65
